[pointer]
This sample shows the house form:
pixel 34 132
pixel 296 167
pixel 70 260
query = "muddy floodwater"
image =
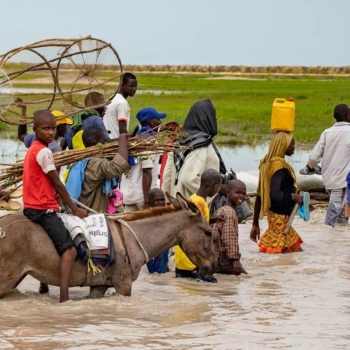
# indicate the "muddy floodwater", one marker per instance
pixel 299 301
pixel 287 301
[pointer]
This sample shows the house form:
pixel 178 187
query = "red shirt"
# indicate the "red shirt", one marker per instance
pixel 38 191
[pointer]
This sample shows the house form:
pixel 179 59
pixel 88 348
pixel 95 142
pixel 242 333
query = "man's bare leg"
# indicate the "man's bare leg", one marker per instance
pixel 66 264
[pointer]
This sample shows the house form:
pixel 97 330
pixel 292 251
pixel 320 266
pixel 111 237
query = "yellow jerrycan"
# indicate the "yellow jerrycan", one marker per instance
pixel 283 114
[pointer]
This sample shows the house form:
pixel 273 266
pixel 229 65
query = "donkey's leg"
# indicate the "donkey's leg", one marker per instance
pixel 8 281
pixel 97 291
pixel 124 288
pixel 20 280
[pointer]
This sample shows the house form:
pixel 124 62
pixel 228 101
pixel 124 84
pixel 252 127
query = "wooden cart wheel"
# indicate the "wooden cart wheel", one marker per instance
pixel 6 93
pixel 31 98
pixel 82 68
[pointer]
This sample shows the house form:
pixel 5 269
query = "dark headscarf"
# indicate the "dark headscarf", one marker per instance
pixel 200 127
pixel 201 119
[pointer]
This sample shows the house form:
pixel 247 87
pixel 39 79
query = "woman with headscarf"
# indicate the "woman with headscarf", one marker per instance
pixel 184 168
pixel 277 194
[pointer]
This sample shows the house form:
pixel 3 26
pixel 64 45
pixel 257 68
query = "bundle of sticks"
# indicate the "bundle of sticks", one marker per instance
pixel 139 146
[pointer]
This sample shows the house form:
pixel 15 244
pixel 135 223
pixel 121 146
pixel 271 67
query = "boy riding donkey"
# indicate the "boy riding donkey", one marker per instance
pixel 41 183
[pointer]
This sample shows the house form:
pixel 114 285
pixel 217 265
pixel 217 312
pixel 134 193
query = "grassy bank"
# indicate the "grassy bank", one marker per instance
pixel 244 106
pixel 243 102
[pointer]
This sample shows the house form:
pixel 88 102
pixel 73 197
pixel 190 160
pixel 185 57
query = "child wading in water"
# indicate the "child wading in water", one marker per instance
pixel 225 230
pixel 41 184
pixel 209 186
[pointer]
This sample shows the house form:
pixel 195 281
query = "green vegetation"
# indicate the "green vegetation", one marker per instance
pixel 244 106
pixel 243 102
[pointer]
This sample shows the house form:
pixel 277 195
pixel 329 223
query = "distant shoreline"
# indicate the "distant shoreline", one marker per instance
pixel 239 70
pixel 205 69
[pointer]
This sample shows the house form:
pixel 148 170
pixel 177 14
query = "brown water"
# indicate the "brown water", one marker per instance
pixel 299 300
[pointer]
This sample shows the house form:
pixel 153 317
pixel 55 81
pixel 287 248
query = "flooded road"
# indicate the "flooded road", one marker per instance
pixel 299 300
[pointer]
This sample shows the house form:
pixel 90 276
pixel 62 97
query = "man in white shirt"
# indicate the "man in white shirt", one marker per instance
pixel 117 116
pixel 333 148
pixel 143 176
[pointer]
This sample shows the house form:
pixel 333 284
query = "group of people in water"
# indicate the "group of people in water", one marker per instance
pixel 197 172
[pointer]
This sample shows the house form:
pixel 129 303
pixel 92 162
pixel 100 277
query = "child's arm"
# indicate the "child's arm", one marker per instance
pixel 146 185
pixel 22 128
pixel 61 190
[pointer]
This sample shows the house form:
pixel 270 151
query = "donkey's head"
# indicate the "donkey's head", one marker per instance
pixel 196 238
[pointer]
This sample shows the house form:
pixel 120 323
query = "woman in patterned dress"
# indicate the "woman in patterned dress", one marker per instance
pixel 277 194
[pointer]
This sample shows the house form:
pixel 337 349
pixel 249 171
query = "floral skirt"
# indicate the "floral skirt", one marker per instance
pixel 274 240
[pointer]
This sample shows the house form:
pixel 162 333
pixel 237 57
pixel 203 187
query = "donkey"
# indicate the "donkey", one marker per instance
pixel 25 248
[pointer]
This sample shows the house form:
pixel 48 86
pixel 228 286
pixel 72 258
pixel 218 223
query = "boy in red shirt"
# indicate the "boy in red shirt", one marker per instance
pixel 41 184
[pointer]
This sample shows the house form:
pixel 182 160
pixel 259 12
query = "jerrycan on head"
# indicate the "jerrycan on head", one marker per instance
pixel 283 114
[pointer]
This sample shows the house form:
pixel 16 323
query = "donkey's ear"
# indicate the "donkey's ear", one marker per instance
pixel 190 207
pixel 173 201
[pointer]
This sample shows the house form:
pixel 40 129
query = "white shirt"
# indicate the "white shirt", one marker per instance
pixel 117 110
pixel 333 148
pixel 191 171
pixel 131 182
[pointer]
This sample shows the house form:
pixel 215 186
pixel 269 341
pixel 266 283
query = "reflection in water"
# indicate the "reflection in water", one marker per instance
pixel 247 158
pixel 298 300
pixel 11 150
pixel 243 158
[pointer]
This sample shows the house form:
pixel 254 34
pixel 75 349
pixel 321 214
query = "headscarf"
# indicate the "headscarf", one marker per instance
pixel 201 118
pixel 200 126
pixel 273 161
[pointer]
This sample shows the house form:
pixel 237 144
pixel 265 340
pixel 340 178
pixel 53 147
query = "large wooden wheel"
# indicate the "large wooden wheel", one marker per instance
pixel 6 92
pixel 67 69
pixel 82 68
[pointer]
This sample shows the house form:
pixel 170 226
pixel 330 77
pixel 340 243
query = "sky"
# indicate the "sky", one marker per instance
pixel 197 32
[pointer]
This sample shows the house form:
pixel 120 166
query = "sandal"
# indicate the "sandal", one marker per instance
pixel 311 171
pixel 10 205
pixel 18 193
pixel 318 170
